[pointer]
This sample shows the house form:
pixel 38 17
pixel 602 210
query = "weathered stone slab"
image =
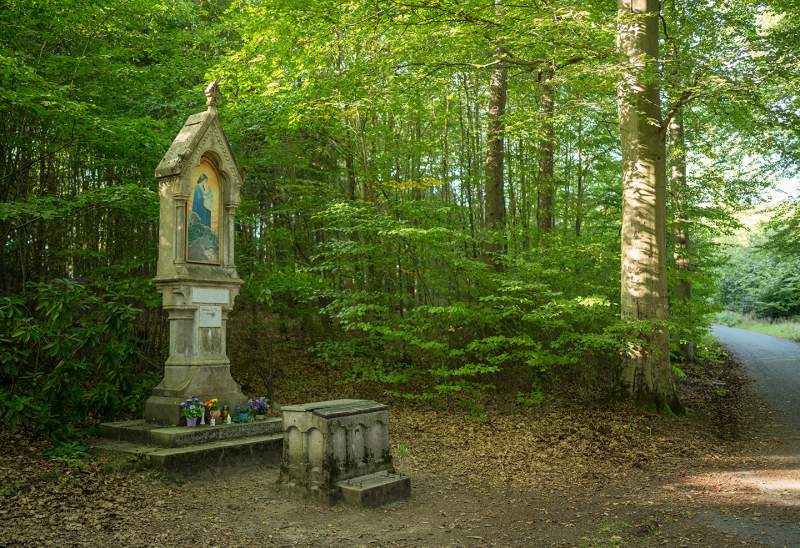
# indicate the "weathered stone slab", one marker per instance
pixel 375 490
pixel 327 442
pixel 140 431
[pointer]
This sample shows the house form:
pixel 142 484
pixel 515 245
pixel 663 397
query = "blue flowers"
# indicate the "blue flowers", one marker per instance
pixel 193 407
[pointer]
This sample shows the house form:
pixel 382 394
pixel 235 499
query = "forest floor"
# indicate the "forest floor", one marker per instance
pixel 560 474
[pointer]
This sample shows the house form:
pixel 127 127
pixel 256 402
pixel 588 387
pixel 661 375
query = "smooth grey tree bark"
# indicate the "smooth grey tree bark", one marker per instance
pixel 646 373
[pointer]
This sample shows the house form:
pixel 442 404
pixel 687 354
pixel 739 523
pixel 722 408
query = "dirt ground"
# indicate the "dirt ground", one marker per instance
pixel 556 475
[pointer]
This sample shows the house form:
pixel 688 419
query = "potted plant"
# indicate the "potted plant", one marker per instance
pixel 214 411
pixel 258 407
pixel 192 409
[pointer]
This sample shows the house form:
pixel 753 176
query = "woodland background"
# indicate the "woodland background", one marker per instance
pixel 373 233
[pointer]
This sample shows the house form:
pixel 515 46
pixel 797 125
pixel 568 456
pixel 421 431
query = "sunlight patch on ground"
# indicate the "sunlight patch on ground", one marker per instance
pixel 775 481
pixel 771 481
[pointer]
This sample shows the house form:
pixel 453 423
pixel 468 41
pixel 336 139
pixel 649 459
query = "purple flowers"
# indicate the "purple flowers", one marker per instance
pixel 258 406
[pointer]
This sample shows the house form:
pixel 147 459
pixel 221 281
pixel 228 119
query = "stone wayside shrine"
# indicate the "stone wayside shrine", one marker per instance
pixel 331 451
pixel 199 183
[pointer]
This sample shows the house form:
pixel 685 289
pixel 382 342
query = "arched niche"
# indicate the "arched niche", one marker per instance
pixel 201 144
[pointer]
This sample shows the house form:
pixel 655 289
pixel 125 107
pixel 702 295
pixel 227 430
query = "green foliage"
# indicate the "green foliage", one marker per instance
pixel 530 399
pixel 728 318
pixel 68 357
pixel 136 202
pixel 69 452
pixel 85 89
pixel 460 336
pixel 786 328
pixel 783 228
pixel 759 281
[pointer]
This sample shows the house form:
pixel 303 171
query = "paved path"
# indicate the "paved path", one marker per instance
pixel 765 506
pixel 774 364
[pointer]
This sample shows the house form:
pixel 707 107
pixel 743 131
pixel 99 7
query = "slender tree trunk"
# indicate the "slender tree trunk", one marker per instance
pixel 646 370
pixel 525 212
pixel 512 194
pixel 547 147
pixel 361 124
pixel 446 190
pixel 579 183
pixel 682 291
pixel 495 138
pixel 349 158
pixel 466 137
pixel 350 190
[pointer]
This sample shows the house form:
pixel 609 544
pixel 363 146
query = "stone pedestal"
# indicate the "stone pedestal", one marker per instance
pixel 198 364
pixel 329 445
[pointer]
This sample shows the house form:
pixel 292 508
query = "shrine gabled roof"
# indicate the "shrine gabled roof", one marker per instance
pixel 188 138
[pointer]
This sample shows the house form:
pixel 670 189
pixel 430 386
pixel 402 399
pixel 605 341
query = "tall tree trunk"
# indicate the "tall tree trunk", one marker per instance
pixel 682 291
pixel 547 148
pixel 495 138
pixel 350 190
pixel 349 158
pixel 446 190
pixel 579 184
pixel 646 370
pixel 511 216
pixel 525 213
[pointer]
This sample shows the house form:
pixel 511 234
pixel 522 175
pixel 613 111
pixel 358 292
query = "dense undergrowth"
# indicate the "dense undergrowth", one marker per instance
pixel 390 300
pixel 70 356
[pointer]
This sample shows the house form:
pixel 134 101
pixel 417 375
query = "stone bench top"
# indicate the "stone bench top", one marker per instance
pixel 336 408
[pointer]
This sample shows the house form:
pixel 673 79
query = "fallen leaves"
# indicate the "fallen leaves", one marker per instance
pixel 486 473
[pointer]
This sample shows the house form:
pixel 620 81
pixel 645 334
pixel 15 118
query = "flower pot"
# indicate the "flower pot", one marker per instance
pixel 261 417
pixel 191 421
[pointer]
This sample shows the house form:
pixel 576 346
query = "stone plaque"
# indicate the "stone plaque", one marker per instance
pixel 211 295
pixel 209 316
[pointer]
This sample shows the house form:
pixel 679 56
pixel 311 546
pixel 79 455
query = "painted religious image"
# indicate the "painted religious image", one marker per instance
pixel 203 215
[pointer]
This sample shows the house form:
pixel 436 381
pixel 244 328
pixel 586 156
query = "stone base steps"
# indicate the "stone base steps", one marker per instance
pixel 139 431
pixel 194 459
pixel 187 451
pixel 373 490
pixel 182 451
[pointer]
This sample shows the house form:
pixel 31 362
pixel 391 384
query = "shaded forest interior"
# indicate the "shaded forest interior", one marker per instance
pixel 438 195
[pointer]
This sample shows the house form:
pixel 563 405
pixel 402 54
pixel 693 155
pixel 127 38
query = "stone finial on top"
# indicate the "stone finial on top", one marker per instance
pixel 212 94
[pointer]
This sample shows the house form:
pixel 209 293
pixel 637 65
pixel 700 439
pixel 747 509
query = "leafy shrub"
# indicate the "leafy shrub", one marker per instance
pixel 418 315
pixel 759 281
pixel 68 356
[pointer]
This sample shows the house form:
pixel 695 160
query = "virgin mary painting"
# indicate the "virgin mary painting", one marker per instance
pixel 203 212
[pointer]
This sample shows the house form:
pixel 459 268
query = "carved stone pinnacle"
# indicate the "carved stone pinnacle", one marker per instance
pixel 212 94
